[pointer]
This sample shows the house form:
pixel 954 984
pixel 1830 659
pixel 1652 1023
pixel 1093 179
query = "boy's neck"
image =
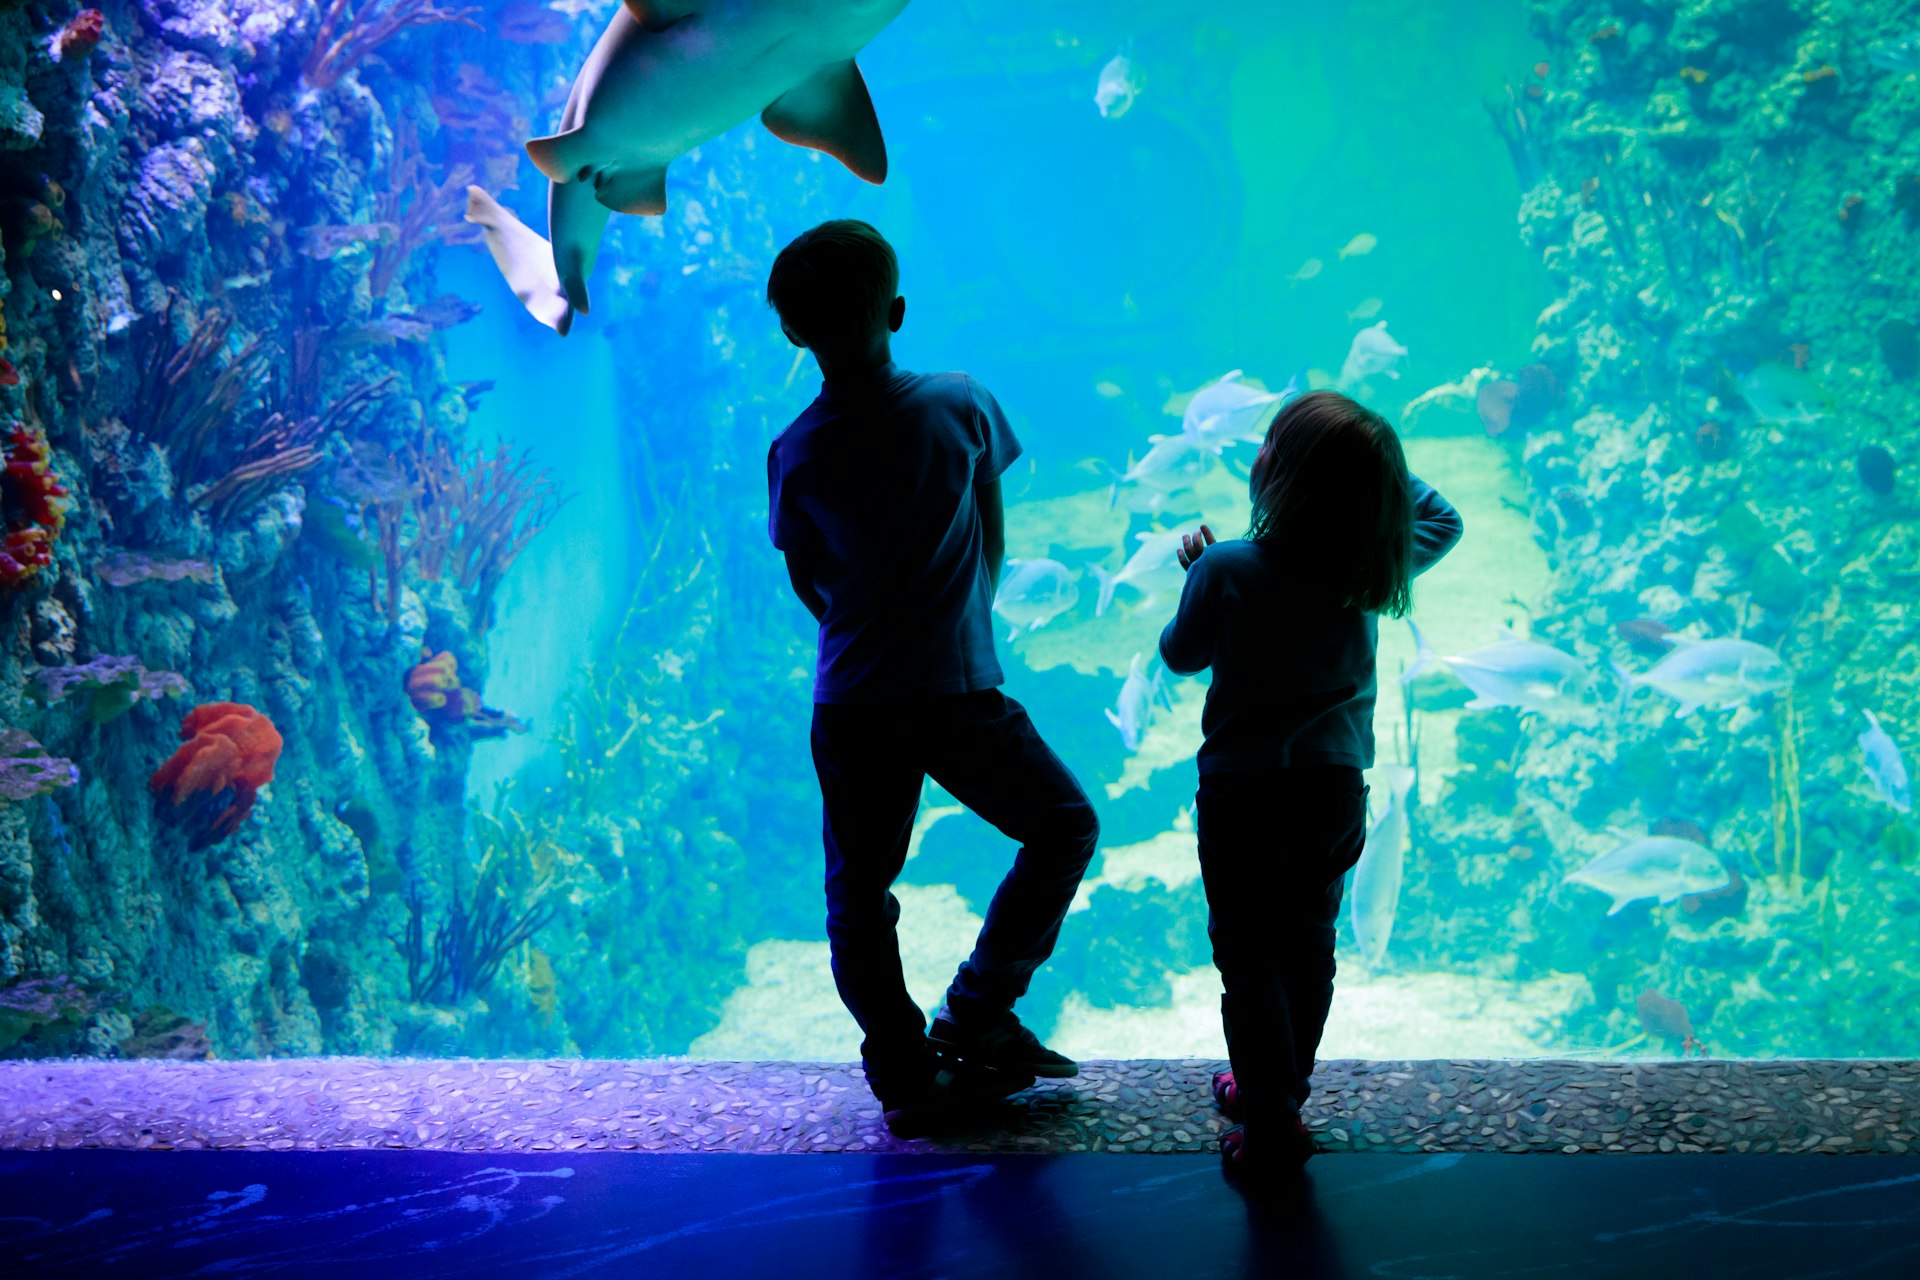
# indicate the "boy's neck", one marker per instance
pixel 854 366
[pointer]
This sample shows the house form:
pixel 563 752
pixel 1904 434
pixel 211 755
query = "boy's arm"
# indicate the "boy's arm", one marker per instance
pixel 803 586
pixel 993 528
pixel 1436 526
pixel 1186 646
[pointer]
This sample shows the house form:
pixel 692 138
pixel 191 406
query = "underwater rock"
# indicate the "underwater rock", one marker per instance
pixel 206 26
pixel 159 1032
pixel 125 568
pixel 111 684
pixel 1876 469
pixel 20 121
pixel 168 200
pixel 1900 348
pixel 186 96
pixel 228 754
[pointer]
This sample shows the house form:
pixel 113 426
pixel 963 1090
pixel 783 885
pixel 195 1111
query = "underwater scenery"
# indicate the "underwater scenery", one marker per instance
pixel 394 660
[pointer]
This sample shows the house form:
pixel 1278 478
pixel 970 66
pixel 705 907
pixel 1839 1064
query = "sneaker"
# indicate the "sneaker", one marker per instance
pixel 1291 1147
pixel 1004 1044
pixel 947 1094
pixel 1226 1094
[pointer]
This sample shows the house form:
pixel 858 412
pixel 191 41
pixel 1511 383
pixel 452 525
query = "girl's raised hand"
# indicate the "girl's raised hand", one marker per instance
pixel 1192 544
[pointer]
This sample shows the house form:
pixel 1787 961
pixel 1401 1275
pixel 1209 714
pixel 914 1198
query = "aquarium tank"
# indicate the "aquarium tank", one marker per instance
pixel 384 673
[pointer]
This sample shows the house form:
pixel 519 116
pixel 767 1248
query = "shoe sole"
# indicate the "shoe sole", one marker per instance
pixel 919 1121
pixel 962 1056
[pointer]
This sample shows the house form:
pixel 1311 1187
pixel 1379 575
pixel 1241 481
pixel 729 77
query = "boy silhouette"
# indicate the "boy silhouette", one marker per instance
pixel 884 496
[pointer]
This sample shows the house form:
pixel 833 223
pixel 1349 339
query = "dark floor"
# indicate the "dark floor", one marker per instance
pixel 415 1213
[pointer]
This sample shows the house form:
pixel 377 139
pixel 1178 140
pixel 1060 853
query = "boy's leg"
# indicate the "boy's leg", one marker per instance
pixel 992 759
pixel 1273 849
pixel 870 783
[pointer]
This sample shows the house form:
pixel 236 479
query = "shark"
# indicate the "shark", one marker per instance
pixel 666 76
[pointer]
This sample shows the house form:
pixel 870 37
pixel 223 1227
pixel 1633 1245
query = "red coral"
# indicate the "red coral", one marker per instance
pixel 34 504
pixel 229 753
pixel 82 32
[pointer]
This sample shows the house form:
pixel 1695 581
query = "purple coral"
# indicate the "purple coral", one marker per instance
pixel 349 31
pixel 26 770
pixel 112 682
pixel 125 568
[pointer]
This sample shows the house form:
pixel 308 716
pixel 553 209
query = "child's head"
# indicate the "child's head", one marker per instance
pixel 837 288
pixel 1330 482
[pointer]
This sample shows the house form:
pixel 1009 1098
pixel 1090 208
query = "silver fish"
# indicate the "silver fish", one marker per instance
pixel 1034 593
pixel 1376 878
pixel 1174 463
pixel 1134 714
pixel 1896 55
pixel 1153 570
pixel 1663 867
pixel 1373 351
pixel 1523 674
pixel 1710 673
pixel 1780 394
pixel 1886 770
pixel 1228 411
pixel 1117 88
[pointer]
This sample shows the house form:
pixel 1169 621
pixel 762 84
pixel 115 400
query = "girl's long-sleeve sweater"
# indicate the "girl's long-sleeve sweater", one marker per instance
pixel 1293 678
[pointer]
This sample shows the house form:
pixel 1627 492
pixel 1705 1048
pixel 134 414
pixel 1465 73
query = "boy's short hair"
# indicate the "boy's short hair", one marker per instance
pixel 834 282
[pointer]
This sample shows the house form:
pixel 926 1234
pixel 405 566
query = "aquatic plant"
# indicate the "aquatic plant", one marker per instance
pixel 26 770
pixel 349 30
pixel 159 1032
pixel 476 512
pixel 33 506
pixel 28 1004
pixel 110 684
pixel 228 754
pixel 372 481
pixel 516 884
pixel 419 209
pixel 1783 782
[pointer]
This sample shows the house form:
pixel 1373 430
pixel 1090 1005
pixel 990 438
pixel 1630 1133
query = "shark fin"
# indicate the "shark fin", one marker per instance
pixel 642 194
pixel 561 157
pixel 832 112
pixel 523 256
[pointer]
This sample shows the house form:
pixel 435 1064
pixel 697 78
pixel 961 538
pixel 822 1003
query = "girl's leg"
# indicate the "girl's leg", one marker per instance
pixel 1273 847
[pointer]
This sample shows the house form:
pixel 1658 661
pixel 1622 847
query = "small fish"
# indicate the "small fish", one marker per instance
pixel 1134 715
pixel 1373 351
pixel 1781 394
pixel 1229 411
pixel 1885 769
pixel 1896 55
pixel 1174 463
pixel 1308 270
pixel 1034 593
pixel 1876 468
pixel 1710 673
pixel 1647 635
pixel 1662 867
pixel 1117 88
pixel 1367 310
pixel 233 284
pixel 1108 390
pixel 1376 877
pixel 1359 246
pixel 1512 672
pixel 1153 570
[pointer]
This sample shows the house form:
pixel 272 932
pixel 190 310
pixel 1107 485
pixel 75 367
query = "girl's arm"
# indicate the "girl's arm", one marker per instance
pixel 1436 526
pixel 1186 646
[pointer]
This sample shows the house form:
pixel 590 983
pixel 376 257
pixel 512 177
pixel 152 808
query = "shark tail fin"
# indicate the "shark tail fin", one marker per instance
pixel 561 157
pixel 1107 583
pixel 1424 659
pixel 832 112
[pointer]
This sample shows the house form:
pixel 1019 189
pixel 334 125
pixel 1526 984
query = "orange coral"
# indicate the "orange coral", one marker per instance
pixel 1826 71
pixel 228 754
pixel 82 32
pixel 34 504
pixel 433 687
pixel 1697 75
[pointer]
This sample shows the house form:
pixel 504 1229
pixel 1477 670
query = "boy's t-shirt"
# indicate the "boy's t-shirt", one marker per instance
pixel 871 495
pixel 1293 677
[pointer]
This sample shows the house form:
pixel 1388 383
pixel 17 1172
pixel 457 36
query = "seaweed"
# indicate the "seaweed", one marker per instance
pixel 476 512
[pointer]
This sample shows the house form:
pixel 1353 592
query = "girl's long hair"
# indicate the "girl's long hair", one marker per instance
pixel 1330 486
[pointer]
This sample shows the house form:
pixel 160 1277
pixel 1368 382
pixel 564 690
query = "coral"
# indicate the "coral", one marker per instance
pixel 433 687
pixel 525 23
pixel 228 754
pixel 516 884
pixel 125 568
pixel 419 209
pixel 285 444
pixel 475 514
pixel 349 30
pixel 185 399
pixel 26 770
pixel 159 1032
pixel 111 684
pixel 81 34
pixel 33 506
pixel 29 1004
pixel 169 199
